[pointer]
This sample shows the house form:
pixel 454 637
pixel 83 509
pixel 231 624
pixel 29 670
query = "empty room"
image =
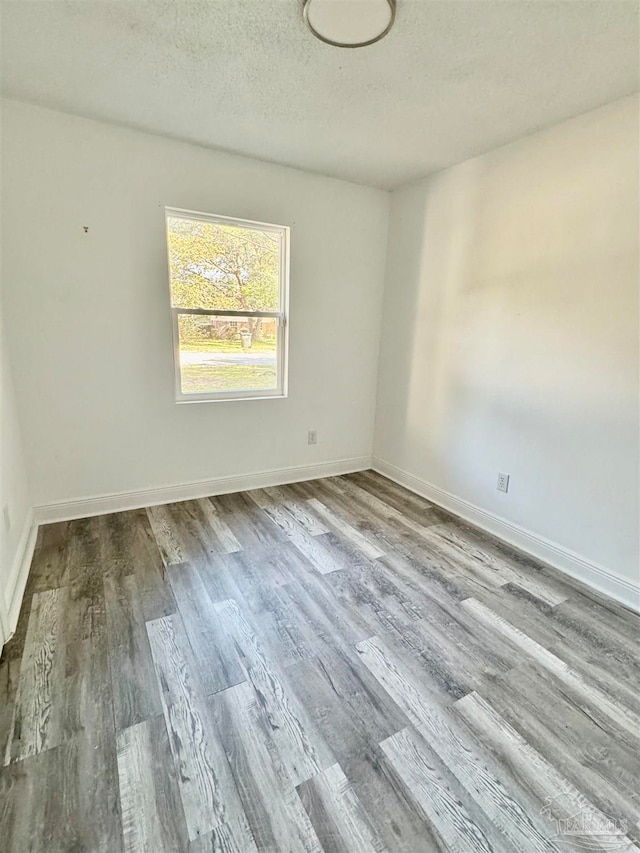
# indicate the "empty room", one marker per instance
pixel 320 426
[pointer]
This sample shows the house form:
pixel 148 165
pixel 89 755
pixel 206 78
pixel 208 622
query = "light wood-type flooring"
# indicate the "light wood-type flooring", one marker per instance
pixel 331 666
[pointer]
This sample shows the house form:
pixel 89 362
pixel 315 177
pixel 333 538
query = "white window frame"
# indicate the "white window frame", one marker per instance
pixel 282 316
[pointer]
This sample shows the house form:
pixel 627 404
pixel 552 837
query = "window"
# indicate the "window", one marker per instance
pixel 229 280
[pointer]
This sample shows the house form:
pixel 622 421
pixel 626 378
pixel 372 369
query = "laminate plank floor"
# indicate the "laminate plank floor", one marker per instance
pixel 336 666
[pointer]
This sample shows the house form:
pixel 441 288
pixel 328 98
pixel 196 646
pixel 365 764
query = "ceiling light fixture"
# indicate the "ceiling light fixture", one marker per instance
pixel 349 23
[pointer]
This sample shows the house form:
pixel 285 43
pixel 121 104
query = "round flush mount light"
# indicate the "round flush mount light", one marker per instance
pixel 349 23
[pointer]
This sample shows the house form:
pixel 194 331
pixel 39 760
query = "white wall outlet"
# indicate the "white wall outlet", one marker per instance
pixel 6 515
pixel 503 483
pixel 312 436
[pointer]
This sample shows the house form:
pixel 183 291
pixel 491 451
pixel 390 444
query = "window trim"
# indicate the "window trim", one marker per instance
pixel 282 316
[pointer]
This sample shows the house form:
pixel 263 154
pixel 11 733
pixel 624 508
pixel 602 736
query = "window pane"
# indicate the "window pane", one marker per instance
pixel 223 267
pixel 227 353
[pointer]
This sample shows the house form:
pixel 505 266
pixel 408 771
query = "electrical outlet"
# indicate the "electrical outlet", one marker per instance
pixel 503 483
pixel 312 436
pixel 6 515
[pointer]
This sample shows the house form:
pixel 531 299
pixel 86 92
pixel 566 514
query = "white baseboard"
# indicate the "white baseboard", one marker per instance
pixel 592 574
pixel 120 501
pixel 19 574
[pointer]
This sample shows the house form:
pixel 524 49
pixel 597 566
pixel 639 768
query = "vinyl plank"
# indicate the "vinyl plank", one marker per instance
pixel 619 619
pixel 438 593
pixel 152 814
pixel 14 648
pixel 135 690
pixel 208 793
pixel 249 524
pixel 442 646
pixel 90 789
pixel 49 562
pixel 374 526
pixel 412 507
pixel 340 822
pixel 468 551
pixel 491 572
pixel 390 613
pixel 10 664
pixel 130 548
pixel 200 530
pixel 275 814
pixel 399 821
pixel 304 489
pixel 318 551
pixel 217 661
pixel 216 574
pixel 438 801
pixel 559 798
pixel 322 618
pixel 352 534
pixel 272 613
pixel 266 566
pixel 626 722
pixel 367 626
pixel 299 509
pixel 342 550
pixel 165 534
pixel 370 479
pixel 23 792
pixel 9 679
pixel 126 538
pixel 185 532
pixel 595 636
pixel 322 627
pixel 346 703
pixel 302 750
pixel 226 838
pixel 372 501
pixel 519 561
pixel 36 724
pixel 278 514
pixel 589 757
pixel 85 614
pixel 154 591
pixel 413 521
pixel 344 491
pixel 82 808
pixel 457 751
pixel 50 803
pixel 86 702
pixel 407 503
pixel 540 625
pixel 353 713
pixel 430 578
pixel 83 542
pixel 60 800
pixel 226 540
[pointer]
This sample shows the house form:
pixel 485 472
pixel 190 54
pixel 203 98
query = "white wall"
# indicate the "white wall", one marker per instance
pixel 14 499
pixel 89 321
pixel 509 342
pixel 510 335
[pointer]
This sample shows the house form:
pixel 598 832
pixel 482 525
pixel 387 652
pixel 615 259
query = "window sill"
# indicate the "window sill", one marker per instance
pixel 181 402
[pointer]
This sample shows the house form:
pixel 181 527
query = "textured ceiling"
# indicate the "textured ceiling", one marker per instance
pixel 453 78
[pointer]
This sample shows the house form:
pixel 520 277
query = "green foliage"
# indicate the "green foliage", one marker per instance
pixel 222 266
